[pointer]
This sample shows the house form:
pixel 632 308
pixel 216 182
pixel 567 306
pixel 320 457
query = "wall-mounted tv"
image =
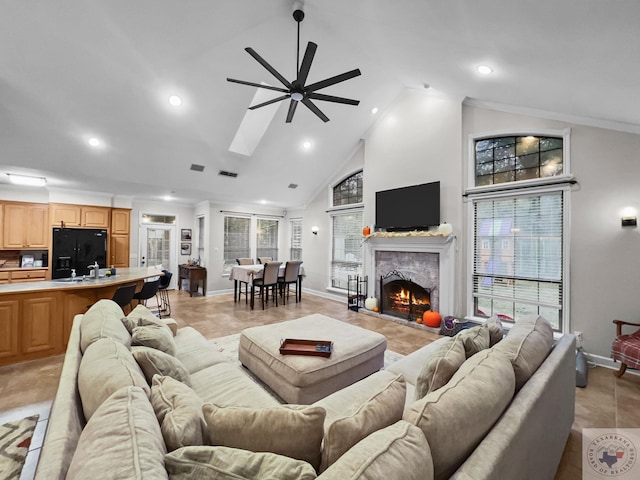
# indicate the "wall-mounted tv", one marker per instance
pixel 409 208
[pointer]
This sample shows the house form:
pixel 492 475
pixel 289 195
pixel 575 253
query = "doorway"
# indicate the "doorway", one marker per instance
pixel 158 247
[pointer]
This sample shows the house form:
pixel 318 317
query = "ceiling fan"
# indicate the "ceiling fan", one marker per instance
pixel 296 90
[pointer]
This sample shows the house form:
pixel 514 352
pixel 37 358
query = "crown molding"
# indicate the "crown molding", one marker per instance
pixel 562 117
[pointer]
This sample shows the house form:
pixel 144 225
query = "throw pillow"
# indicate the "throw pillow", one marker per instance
pixel 179 411
pixel 527 345
pixel 398 452
pixel 494 325
pixel 141 316
pixel 122 440
pixel 231 463
pixel 474 340
pixel 455 418
pixel 102 321
pixel 156 362
pixel 291 430
pixel 159 338
pixel 106 366
pixel 440 367
pixel 383 408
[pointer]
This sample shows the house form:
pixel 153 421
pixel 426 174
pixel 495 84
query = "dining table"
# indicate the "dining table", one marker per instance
pixel 248 273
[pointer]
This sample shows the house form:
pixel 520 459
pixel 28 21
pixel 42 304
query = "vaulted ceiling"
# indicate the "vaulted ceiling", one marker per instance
pixel 71 70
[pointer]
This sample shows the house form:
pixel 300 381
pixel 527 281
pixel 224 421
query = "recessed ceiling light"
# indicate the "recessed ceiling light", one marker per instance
pixel 167 198
pixel 175 100
pixel 306 145
pixel 94 142
pixel 374 110
pixel 27 180
pixel 485 69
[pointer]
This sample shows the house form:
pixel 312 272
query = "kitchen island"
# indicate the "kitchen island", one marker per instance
pixel 36 317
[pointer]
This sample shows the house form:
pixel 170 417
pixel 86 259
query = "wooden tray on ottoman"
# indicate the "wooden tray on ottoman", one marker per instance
pixel 296 346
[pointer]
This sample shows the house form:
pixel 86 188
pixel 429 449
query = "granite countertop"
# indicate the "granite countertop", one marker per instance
pixel 123 275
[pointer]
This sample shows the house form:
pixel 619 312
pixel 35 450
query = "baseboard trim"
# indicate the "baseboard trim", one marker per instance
pixel 600 361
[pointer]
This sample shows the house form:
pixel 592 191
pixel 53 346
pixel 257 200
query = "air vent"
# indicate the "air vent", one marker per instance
pixel 224 173
pixel 293 185
pixel 197 168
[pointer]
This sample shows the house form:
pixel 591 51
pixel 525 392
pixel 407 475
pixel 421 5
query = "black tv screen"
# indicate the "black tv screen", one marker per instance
pixel 409 208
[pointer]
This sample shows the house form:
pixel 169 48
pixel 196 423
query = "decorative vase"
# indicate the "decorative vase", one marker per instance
pixel 371 303
pixel 366 231
pixel 432 319
pixel 445 229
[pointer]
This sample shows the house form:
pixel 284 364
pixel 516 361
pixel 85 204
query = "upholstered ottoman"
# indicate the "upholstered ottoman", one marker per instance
pixel 302 379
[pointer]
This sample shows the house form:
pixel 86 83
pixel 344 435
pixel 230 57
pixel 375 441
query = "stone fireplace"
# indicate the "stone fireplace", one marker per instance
pixel 413 273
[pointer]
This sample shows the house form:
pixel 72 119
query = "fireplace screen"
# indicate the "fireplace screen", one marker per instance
pixel 402 297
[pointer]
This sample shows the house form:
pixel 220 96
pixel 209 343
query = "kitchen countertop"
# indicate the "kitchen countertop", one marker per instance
pixel 123 275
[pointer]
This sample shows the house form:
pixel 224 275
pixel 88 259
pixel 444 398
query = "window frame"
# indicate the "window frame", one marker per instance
pixel 295 224
pixel 253 234
pixel 559 183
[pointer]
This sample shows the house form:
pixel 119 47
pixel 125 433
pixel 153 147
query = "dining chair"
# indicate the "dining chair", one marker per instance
pixel 269 280
pixel 244 261
pixel 149 290
pixel 265 259
pixel 626 348
pixel 291 273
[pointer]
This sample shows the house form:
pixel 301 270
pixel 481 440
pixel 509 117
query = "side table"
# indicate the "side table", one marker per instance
pixel 196 275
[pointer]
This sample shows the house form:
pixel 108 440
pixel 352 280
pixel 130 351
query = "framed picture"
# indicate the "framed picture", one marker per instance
pixel 27 261
pixel 185 235
pixel 185 248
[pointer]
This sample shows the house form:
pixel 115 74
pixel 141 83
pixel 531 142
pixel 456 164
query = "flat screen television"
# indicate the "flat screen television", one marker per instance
pixel 408 208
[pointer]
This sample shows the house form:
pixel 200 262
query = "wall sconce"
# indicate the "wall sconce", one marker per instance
pixel 314 229
pixel 629 217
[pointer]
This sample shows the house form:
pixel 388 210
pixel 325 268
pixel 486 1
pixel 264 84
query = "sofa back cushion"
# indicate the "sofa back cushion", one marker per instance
pixel 456 417
pixel 156 362
pixel 103 320
pixel 398 452
pixel 122 440
pixel 291 430
pixel 474 339
pixel 494 326
pixel 106 366
pixel 440 367
pixel 141 316
pixel 158 337
pixel 527 345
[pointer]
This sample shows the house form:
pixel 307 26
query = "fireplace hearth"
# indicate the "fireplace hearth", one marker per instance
pixel 402 297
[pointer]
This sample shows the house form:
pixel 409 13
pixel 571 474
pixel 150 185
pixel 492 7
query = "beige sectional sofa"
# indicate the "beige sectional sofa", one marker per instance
pixel 137 397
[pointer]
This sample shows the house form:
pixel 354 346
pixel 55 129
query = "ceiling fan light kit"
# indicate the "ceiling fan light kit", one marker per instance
pixel 296 91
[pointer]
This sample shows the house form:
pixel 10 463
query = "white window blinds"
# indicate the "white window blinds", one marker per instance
pixel 346 247
pixel 267 238
pixel 296 239
pixel 236 240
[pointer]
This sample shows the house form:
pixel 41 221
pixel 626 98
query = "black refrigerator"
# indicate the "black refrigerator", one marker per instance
pixel 77 248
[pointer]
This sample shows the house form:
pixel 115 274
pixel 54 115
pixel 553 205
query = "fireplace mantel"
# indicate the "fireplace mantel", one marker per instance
pixel 443 245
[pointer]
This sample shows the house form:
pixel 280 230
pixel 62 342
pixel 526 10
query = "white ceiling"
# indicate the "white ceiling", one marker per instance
pixel 72 69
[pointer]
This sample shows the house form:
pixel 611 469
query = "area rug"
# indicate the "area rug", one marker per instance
pixel 228 346
pixel 15 439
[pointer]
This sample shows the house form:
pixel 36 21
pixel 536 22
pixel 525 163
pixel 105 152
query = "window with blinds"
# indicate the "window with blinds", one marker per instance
pixel 267 238
pixel 295 251
pixel 236 240
pixel 346 252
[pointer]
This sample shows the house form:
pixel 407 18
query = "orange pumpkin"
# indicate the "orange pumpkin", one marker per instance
pixel 366 231
pixel 431 319
pixel 376 309
pixel 419 320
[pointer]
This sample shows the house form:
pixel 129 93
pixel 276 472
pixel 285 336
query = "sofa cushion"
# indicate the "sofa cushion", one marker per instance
pixel 122 440
pixel 398 452
pixel 291 430
pixel 231 463
pixel 155 362
pixel 141 316
pixel 195 351
pixel 359 417
pixel 440 367
pixel 527 345
pixel 106 366
pixel 102 320
pixel 179 412
pixel 494 325
pixel 474 340
pixel 456 417
pixel 159 338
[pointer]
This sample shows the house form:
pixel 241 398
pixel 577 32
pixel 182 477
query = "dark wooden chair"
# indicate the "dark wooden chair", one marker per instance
pixel 626 348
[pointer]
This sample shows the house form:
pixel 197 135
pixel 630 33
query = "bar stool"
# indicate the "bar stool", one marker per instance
pixel 149 290
pixel 162 297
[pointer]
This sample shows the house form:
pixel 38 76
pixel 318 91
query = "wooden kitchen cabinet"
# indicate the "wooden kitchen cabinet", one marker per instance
pixel 67 215
pixel 119 239
pixel 25 226
pixel 120 221
pixel 95 217
pixel 9 317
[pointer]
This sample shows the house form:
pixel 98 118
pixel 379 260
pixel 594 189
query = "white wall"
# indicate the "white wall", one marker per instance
pixel 604 271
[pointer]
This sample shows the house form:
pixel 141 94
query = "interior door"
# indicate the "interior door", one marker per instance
pixel 158 247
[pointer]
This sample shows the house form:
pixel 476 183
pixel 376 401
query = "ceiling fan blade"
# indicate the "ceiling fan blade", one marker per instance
pixel 331 98
pixel 266 65
pixel 269 102
pixel 311 106
pixel 306 63
pixel 332 81
pixel 292 110
pixel 259 85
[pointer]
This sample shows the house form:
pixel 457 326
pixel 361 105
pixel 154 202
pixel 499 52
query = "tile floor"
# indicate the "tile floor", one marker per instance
pixel 29 388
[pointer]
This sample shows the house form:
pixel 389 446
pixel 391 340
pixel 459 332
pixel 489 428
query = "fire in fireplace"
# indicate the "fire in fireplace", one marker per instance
pixel 403 298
